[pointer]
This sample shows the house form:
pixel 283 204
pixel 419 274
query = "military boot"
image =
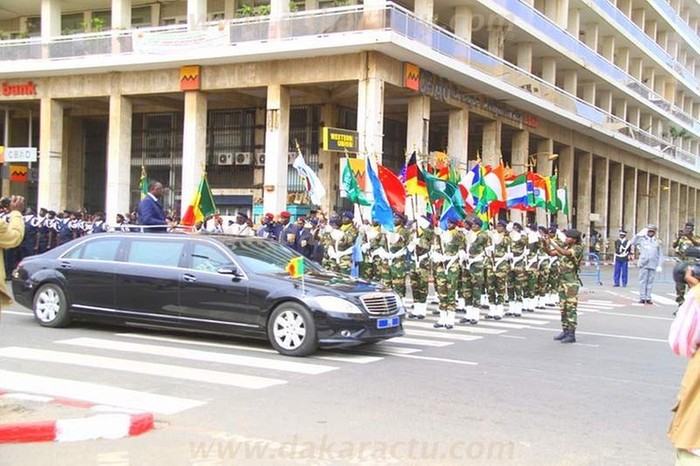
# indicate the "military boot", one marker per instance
pixel 564 333
pixel 570 337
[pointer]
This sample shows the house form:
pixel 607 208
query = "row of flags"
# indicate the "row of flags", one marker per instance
pixel 482 191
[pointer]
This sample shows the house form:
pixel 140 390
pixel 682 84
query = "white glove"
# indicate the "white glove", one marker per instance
pixel 422 223
pixel 463 256
pixel 508 255
pixel 488 249
pixel 372 234
pixel 561 236
pixel 411 246
pixel 328 229
pixel 446 236
pixel 438 231
pixel 337 235
pixel 436 257
pixel 365 247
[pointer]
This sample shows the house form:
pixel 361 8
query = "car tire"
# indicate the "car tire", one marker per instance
pixel 292 331
pixel 51 306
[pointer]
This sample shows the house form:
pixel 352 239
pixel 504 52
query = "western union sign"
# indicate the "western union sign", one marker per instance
pixel 340 140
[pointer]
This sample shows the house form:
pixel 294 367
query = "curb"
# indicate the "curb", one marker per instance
pixel 111 425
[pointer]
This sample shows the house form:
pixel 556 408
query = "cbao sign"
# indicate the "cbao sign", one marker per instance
pixel 340 140
pixel 18 154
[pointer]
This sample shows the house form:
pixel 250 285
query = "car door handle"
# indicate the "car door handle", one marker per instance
pixel 189 278
pixel 66 265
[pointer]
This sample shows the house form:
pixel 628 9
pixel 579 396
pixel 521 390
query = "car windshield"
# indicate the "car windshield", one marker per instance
pixel 264 256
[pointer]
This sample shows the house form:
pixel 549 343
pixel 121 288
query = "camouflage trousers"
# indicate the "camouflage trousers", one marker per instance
pixel 472 283
pixel 394 275
pixel 369 269
pixel 420 277
pixel 330 264
pixel 531 285
pixel 554 279
pixel 446 285
pixel 568 300
pixel 517 283
pixel 345 264
pixel 542 279
pixel 497 281
pixel 680 293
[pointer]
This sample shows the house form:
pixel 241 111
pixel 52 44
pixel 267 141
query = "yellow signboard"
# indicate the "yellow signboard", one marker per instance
pixel 340 140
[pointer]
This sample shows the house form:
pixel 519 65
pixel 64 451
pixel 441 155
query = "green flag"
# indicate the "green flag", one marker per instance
pixel 563 200
pixel 552 194
pixel 444 189
pixel 352 189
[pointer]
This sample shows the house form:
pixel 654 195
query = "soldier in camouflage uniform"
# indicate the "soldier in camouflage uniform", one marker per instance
pixel 420 274
pixel 447 272
pixel 517 277
pixel 473 271
pixel 684 240
pixel 372 247
pixel 533 251
pixel 393 268
pixel 498 266
pixel 552 296
pixel 570 259
pixel 329 261
pixel 344 243
pixel 542 269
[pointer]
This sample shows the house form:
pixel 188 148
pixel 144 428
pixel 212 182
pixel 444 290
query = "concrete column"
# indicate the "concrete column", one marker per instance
pixel 565 178
pixel 665 207
pixel 277 8
pixel 491 143
pixel 121 18
pixel 633 115
pixel 636 68
pixel 619 108
pixel 463 22
pixel 194 145
pixel 458 135
pixel 625 6
pixel 574 22
pixel 50 19
pixel 645 122
pixel 584 186
pixel 654 189
pixel 497 40
pixel 519 163
pixel 622 59
pixel 73 167
pixel 608 47
pixel 51 168
pixel 118 157
pixel 571 81
pixel 674 219
pixel 616 178
pixel 230 8
pixel 683 205
pixel 328 164
pixel 549 70
pixel 545 149
pixel 639 17
pixel 630 198
pixel 600 187
pixel 588 92
pixel 562 18
pixel 424 9
pixel 605 100
pixel 651 28
pixel 642 198
pixel 370 111
pixel 197 13
pixel 550 9
pixel 590 35
pixel 524 59
pixel 276 148
pixel 310 5
pixel 418 124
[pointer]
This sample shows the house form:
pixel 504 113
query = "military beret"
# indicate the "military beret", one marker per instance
pixel 285 214
pixel 348 214
pixel 573 233
pixel 478 222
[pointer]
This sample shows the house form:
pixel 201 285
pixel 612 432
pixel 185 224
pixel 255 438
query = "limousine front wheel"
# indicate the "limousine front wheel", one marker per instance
pixel 292 330
pixel 50 306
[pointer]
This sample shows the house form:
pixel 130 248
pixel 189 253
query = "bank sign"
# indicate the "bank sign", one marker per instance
pixel 18 154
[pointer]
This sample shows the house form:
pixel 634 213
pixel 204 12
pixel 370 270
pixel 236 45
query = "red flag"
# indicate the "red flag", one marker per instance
pixel 393 188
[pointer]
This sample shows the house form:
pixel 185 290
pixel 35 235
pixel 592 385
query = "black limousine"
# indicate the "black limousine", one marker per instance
pixel 207 283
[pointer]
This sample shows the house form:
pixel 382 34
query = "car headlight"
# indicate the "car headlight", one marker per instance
pixel 333 304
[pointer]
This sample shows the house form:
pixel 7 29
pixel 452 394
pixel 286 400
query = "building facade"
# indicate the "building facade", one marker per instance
pixel 605 94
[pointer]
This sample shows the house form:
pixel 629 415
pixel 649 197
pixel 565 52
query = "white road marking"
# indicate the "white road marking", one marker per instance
pixel 286 365
pixel 610 335
pixel 418 342
pixel 446 334
pixel 502 325
pixel 636 316
pixel 17 313
pixel 527 320
pixel 428 358
pixel 139 367
pixel 410 326
pixel 95 393
pixel 658 299
pixel 512 336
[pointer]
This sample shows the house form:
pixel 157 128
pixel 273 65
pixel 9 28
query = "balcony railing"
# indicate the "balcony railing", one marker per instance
pixel 320 24
pixel 686 32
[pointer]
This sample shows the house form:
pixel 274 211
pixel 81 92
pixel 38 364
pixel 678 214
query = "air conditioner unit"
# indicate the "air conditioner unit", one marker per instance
pixel 244 158
pixel 260 159
pixel 291 156
pixel 224 158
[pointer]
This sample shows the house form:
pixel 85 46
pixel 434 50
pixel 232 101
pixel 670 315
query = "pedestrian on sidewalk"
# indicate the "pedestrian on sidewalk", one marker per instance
pixel 623 248
pixel 649 259
pixel 11 235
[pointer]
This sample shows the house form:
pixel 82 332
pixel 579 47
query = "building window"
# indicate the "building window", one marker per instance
pixel 72 23
pixel 141 16
pixel 304 126
pixel 33 26
pixel 104 17
pixel 231 148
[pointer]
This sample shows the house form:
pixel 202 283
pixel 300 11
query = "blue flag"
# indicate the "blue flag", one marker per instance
pixel 381 212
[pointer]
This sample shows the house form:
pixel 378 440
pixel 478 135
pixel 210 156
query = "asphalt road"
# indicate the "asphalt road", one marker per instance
pixel 498 393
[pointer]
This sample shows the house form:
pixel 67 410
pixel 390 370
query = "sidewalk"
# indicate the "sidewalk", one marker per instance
pixel 26 417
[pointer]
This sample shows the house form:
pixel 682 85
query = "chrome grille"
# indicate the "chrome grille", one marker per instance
pixel 380 304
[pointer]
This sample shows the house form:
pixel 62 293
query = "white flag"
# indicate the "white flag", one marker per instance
pixel 313 183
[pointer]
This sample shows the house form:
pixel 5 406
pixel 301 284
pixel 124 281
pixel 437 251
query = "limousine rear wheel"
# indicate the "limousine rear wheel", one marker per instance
pixel 50 306
pixel 292 331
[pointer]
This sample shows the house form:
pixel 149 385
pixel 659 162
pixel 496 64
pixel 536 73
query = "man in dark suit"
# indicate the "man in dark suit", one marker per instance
pixel 150 210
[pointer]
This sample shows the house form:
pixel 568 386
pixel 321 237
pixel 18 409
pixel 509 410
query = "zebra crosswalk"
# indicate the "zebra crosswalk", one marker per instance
pixel 161 362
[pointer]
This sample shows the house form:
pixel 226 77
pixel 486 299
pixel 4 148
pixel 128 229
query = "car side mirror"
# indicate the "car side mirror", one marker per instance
pixel 229 270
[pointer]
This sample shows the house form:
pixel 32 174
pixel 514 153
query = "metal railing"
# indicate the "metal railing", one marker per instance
pixel 319 24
